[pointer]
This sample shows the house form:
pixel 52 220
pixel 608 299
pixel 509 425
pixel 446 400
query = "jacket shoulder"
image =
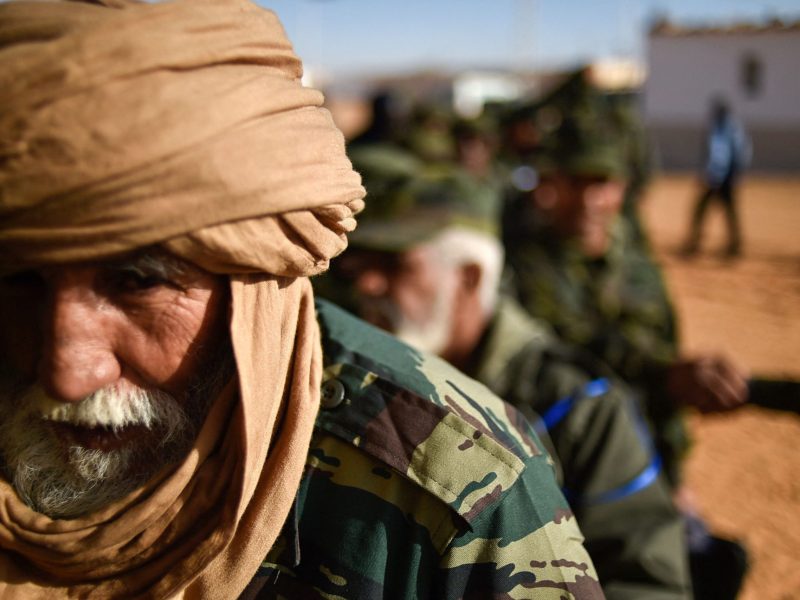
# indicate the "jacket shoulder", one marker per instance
pixel 420 416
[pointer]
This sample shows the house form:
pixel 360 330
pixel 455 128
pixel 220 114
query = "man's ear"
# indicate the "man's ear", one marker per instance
pixel 471 276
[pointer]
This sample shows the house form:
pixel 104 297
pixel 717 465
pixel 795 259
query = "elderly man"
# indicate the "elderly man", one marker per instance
pixel 166 187
pixel 426 265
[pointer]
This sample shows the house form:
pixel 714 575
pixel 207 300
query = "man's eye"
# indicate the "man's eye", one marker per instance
pixel 22 280
pixel 134 281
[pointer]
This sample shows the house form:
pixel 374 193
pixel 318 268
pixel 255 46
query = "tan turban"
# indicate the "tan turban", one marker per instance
pixel 181 124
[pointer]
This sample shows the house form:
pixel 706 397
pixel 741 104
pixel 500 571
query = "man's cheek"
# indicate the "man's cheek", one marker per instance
pixel 379 312
pixel 173 327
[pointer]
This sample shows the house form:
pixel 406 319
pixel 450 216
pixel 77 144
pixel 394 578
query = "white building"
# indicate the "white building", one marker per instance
pixel 755 68
pixel 473 89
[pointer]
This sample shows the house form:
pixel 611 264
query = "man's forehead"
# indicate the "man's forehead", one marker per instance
pixel 581 179
pixel 356 258
pixel 388 260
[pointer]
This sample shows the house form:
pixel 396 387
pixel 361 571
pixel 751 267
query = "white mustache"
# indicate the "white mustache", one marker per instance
pixel 112 407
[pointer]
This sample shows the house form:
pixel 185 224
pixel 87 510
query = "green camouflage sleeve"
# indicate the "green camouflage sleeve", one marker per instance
pixel 618 308
pixel 420 483
pixel 525 548
pixel 609 470
pixel 613 480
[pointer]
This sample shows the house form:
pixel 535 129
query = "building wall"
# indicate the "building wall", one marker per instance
pixel 687 71
pixel 680 147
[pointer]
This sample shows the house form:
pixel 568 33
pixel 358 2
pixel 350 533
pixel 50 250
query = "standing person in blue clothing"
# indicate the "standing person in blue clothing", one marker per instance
pixel 727 154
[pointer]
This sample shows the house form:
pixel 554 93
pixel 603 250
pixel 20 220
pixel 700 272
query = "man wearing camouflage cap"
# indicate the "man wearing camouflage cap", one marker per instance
pixel 576 266
pixel 167 186
pixel 425 264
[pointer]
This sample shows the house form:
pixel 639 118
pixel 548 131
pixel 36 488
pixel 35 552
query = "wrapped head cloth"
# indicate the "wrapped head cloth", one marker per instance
pixel 181 125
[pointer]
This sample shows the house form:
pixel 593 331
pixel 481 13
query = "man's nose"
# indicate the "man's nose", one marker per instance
pixel 372 282
pixel 77 355
pixel 592 201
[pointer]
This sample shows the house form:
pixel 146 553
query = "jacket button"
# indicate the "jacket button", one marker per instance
pixel 332 393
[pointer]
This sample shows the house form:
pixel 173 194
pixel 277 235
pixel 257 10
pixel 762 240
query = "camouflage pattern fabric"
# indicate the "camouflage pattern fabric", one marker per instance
pixel 608 467
pixel 616 307
pixel 420 483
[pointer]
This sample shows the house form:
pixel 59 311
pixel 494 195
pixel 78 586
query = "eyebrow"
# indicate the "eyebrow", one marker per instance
pixel 154 261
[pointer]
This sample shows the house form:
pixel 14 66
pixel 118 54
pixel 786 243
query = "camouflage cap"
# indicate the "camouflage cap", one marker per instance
pixel 582 149
pixel 579 133
pixel 484 125
pixel 416 209
pixel 383 166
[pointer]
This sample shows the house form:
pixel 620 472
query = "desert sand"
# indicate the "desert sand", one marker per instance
pixel 744 466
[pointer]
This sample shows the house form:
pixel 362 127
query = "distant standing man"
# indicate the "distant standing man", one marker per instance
pixel 727 153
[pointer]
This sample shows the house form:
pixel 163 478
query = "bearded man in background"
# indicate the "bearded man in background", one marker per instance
pixel 426 265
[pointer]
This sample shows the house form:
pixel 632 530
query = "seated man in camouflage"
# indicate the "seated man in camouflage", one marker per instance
pixel 425 265
pixel 576 266
pixel 167 185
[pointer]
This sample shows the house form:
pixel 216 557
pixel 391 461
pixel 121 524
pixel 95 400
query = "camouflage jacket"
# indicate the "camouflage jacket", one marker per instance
pixel 616 307
pixel 420 483
pixel 608 467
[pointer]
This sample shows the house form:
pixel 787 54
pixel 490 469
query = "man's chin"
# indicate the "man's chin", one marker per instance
pixel 595 242
pixel 66 460
pixel 67 471
pixel 64 480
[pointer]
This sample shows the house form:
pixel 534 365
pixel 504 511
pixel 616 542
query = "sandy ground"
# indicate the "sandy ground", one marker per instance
pixel 744 466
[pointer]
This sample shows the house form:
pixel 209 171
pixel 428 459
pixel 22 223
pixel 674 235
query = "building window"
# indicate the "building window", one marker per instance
pixel 752 73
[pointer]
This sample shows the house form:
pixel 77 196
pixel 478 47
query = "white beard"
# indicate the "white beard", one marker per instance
pixel 66 481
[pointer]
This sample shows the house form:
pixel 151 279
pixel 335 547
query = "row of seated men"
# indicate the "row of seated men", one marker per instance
pixel 547 295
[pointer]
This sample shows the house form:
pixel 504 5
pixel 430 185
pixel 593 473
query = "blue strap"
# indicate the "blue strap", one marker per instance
pixel 556 413
pixel 643 480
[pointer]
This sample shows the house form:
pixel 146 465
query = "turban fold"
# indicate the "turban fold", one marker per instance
pixel 166 123
pixel 183 124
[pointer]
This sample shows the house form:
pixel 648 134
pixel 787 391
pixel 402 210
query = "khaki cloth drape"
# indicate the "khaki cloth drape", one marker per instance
pixel 183 125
